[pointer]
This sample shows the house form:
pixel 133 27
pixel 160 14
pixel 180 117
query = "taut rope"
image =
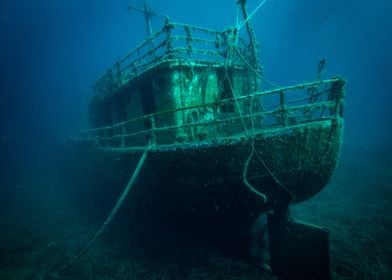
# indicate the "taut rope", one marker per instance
pixel 114 211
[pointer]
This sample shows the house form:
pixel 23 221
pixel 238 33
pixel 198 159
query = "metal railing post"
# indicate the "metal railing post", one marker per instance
pixel 118 76
pixel 189 40
pixel 153 132
pixel 283 108
pixel 167 29
pixel 122 135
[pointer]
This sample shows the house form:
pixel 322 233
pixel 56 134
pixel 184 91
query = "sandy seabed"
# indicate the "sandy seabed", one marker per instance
pixel 41 232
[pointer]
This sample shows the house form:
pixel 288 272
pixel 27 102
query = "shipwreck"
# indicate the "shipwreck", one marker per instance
pixel 218 143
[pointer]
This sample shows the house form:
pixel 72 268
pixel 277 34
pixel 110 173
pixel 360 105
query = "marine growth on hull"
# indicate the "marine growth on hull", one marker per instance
pixel 199 91
pixel 189 84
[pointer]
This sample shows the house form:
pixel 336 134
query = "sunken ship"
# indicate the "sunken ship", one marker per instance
pixel 219 144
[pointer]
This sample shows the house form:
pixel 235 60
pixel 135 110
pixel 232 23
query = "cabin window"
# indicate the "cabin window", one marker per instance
pixel 99 114
pixel 105 116
pixel 227 106
pixel 148 103
pixel 122 108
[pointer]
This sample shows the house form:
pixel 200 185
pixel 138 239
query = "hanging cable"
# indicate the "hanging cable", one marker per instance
pixel 254 70
pixel 241 24
pixel 113 213
pixel 250 135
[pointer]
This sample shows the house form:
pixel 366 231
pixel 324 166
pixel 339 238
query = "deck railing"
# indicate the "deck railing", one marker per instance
pixel 276 109
pixel 173 41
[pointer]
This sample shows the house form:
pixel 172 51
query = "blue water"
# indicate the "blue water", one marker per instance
pixel 51 52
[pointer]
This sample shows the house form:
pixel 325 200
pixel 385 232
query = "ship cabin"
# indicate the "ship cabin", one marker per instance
pixel 183 79
pixel 187 84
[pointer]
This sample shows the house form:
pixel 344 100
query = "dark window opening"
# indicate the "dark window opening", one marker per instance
pixel 122 108
pixel 147 98
pixel 227 105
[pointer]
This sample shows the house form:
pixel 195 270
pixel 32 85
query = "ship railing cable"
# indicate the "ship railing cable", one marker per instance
pixel 243 98
pixel 215 122
pixel 173 41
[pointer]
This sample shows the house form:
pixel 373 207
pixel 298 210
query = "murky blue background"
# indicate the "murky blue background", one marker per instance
pixel 52 51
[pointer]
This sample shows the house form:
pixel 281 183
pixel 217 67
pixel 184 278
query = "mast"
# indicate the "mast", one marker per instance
pixel 148 14
pixel 147 17
pixel 252 38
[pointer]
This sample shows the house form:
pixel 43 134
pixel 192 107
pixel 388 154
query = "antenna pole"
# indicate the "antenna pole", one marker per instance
pixel 147 17
pixel 251 33
pixel 148 14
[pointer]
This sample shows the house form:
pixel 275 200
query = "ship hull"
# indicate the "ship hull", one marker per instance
pixel 202 184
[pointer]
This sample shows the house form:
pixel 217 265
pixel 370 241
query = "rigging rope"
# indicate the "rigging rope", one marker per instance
pixel 250 135
pixel 241 24
pixel 114 211
pixel 254 70
pixel 253 149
